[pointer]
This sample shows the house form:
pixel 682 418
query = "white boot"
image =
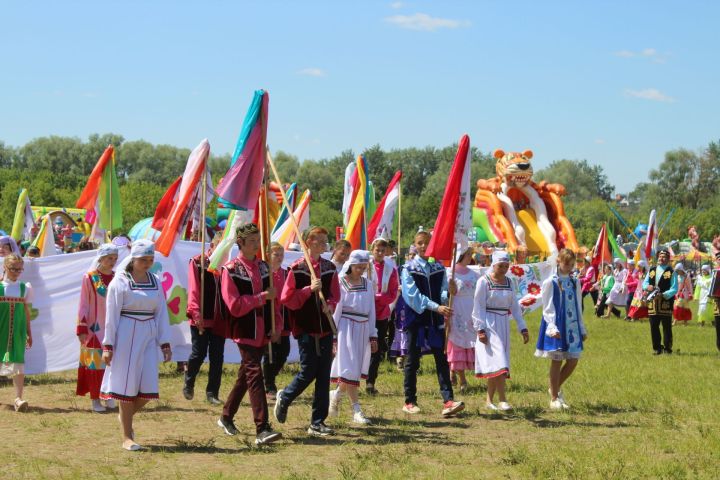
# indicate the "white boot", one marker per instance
pixel 110 403
pixel 97 406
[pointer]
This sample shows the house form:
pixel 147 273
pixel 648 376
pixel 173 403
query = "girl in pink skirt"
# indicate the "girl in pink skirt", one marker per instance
pixel 461 338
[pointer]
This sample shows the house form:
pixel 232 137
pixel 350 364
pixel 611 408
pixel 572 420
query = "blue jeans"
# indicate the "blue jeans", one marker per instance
pixel 412 363
pixel 313 367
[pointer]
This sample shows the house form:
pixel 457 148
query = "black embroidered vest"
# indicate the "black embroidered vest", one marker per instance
pixel 245 327
pixel 310 318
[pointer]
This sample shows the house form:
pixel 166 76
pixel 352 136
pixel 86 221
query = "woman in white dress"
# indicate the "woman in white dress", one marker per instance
pixel 618 294
pixel 462 335
pixel 136 325
pixel 495 300
pixel 356 333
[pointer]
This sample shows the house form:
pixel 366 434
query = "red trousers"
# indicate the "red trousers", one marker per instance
pixel 249 379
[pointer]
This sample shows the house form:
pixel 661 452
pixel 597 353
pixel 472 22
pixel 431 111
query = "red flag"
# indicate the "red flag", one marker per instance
pixel 382 222
pixel 651 238
pixel 601 252
pixel 90 192
pixel 453 218
pixel 165 205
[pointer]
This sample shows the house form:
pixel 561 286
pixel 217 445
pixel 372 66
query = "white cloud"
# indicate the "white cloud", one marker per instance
pixel 649 94
pixel 397 5
pixel 424 22
pixel 648 53
pixel 312 72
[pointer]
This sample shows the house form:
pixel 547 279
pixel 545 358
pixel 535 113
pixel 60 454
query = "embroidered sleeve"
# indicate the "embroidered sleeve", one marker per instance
pixel 549 307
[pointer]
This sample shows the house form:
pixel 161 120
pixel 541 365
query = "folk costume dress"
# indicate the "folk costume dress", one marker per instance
pixel 91 323
pixel 462 336
pixel 618 293
pixel 681 308
pixel 702 293
pixel 562 313
pixel 638 308
pixel 493 304
pixel 136 326
pixel 355 319
pixel 13 326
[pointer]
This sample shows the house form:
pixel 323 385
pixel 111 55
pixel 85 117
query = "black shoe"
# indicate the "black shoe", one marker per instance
pixel 657 352
pixel 228 426
pixel 267 436
pixel 281 408
pixel 668 351
pixel 212 399
pixel 320 430
pixel 370 389
pixel 188 392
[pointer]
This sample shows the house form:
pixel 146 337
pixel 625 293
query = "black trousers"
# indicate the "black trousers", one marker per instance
pixel 666 341
pixel 212 346
pixel 412 363
pixel 314 367
pixel 717 331
pixel 272 366
pixel 377 357
pixel 593 294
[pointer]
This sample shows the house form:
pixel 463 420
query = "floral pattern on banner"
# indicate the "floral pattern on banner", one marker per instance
pixel 528 280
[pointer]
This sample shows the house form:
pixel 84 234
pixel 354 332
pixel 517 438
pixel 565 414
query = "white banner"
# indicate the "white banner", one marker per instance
pixel 56 281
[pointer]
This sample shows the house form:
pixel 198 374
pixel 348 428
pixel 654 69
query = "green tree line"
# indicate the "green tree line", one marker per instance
pixel 54 169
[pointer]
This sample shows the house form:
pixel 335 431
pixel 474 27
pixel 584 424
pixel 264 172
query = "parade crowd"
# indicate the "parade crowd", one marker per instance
pixel 347 314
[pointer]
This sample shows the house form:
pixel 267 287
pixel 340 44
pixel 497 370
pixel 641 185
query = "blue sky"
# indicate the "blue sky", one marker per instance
pixel 616 83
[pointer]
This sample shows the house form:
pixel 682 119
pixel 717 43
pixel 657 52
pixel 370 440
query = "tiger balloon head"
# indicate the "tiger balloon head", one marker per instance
pixel 514 169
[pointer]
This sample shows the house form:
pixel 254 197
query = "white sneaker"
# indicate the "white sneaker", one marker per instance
pixel 560 395
pixel 110 403
pixel 505 406
pixel 98 407
pixel 333 407
pixel 360 418
pixel 491 406
pixel 556 404
pixel 564 405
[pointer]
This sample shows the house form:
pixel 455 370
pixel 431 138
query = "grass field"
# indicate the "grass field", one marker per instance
pixel 633 415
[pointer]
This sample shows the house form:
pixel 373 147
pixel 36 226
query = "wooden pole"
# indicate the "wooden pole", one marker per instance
pixel 265 242
pixel 303 246
pixel 203 207
pixel 399 243
pixel 448 322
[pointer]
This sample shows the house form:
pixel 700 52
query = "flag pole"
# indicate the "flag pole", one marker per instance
pixel 448 322
pixel 265 242
pixel 303 246
pixel 399 244
pixel 112 167
pixel 203 207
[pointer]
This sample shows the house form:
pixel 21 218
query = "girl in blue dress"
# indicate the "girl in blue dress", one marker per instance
pixel 562 331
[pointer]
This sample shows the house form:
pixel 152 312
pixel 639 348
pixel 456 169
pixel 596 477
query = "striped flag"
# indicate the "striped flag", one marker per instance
pixel 285 234
pixel 381 224
pixel 239 187
pixel 651 237
pixel 45 240
pixel 24 220
pixel 357 204
pixel 187 203
pixel 101 195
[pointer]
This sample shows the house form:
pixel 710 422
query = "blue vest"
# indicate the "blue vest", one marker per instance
pixel 430 286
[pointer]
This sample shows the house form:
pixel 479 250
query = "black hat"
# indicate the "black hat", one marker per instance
pixel 663 250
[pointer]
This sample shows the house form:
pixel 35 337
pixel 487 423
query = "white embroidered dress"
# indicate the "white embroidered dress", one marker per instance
pixel 136 324
pixel 491 312
pixel 355 320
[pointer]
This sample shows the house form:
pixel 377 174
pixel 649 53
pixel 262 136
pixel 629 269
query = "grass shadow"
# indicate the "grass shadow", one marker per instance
pixel 42 410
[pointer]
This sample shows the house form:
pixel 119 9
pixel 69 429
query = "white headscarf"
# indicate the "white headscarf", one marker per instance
pixel 139 248
pixel 103 251
pixel 357 257
pixel 500 256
